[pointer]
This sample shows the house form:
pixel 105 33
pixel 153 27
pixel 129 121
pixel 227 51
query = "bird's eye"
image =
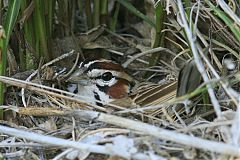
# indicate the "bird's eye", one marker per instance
pixel 107 76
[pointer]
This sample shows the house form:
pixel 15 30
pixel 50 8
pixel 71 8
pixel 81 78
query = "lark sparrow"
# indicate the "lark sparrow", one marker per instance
pixel 106 81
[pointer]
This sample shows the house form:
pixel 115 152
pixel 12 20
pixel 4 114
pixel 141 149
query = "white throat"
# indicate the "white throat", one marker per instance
pixel 91 93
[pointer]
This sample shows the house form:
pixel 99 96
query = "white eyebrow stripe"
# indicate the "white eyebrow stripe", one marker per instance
pixel 95 61
pixel 90 63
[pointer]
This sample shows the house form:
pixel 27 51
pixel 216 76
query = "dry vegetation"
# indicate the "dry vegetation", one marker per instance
pixel 153 41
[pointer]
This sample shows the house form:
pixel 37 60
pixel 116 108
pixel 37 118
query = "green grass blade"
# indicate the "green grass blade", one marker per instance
pixel 27 60
pixel 131 8
pixel 12 14
pixel 233 27
pixel 115 18
pixel 96 14
pixel 104 11
pixel 2 40
pixel 159 37
pixel 49 17
pixel 88 12
pixel 187 4
pixel 41 30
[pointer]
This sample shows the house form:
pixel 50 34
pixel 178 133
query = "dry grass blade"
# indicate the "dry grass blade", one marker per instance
pixel 161 133
pixel 46 90
pixel 144 128
pixel 92 148
pixel 199 63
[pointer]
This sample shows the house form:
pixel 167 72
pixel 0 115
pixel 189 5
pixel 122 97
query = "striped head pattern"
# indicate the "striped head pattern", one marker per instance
pixel 102 80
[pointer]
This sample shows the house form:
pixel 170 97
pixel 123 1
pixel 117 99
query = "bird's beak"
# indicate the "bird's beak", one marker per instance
pixel 79 77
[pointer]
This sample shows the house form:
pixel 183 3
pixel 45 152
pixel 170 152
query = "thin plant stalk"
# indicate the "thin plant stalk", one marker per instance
pixel 88 12
pixel 49 17
pixel 229 22
pixel 158 41
pixel 30 38
pixel 1 14
pixel 127 4
pixel 115 17
pixel 96 14
pixel 22 51
pixel 104 11
pixel 80 5
pixel 187 4
pixel 41 30
pixel 2 39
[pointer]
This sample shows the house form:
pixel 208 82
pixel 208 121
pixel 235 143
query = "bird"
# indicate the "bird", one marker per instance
pixel 106 81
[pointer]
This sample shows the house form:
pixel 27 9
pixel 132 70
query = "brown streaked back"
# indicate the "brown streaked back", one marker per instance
pixel 154 94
